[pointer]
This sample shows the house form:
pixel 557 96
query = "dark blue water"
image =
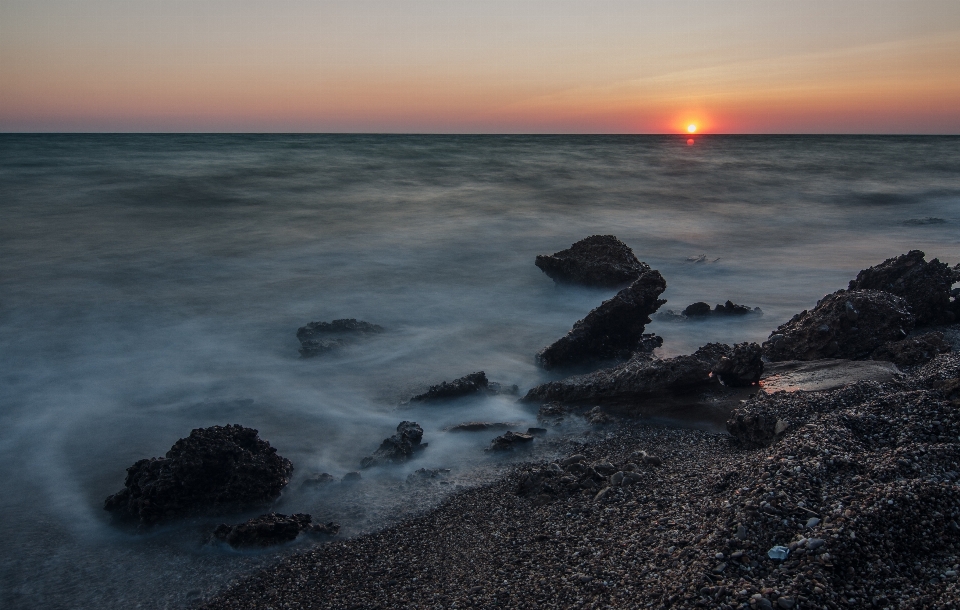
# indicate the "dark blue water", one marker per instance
pixel 153 284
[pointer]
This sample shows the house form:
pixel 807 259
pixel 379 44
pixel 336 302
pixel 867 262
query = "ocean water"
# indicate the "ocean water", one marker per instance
pixel 152 284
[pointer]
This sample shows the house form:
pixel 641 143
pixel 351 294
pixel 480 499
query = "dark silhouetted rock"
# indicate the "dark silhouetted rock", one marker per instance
pixel 468 385
pixel 741 368
pixel 614 329
pixel 845 324
pixel 925 285
pixel 265 530
pixel 637 379
pixel 755 428
pixel 599 260
pixel 214 469
pixel 319 337
pixel 912 350
pixel 351 477
pixel 537 431
pixel 398 448
pixel 510 441
pixel 553 413
pixel 697 309
pixel 702 310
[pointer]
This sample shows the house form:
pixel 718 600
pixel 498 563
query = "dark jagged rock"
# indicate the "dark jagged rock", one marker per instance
pixel 614 329
pixel 265 530
pixel 753 427
pixel 598 260
pixel 912 350
pixel 743 367
pixel 637 379
pixel 510 441
pixel 845 324
pixel 925 285
pixel 468 385
pixel 552 413
pixel 701 310
pixel 214 469
pixel 398 448
pixel 319 337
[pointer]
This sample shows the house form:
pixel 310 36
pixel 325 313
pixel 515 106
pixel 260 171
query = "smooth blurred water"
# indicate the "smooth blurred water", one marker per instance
pixel 153 284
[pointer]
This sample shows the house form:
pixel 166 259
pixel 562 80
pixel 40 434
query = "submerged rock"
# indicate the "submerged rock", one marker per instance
pixel 701 310
pixel 614 330
pixel 398 448
pixel 637 379
pixel 318 480
pixel 319 337
pixel 270 530
pixel 214 469
pixel 510 441
pixel 598 260
pixel 912 350
pixel 845 324
pixel 925 285
pixel 468 385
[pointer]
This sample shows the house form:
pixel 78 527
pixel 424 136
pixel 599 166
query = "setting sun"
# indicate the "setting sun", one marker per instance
pixel 691 128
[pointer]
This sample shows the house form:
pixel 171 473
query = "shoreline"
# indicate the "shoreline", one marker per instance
pixel 862 489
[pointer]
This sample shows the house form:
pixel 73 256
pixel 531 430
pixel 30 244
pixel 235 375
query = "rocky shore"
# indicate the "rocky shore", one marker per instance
pixel 854 504
pixel 836 484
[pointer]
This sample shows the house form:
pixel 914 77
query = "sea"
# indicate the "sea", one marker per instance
pixel 153 284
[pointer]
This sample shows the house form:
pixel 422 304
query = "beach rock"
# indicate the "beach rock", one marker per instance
pixel 263 531
pixel 510 441
pixel 924 285
pixel 214 469
pixel 319 337
pixel 701 309
pixel 553 413
pixel 636 380
pixel 614 329
pixel 826 374
pixel 753 427
pixel 598 260
pixel 398 448
pixel 473 384
pixel 743 367
pixel 845 324
pixel 912 350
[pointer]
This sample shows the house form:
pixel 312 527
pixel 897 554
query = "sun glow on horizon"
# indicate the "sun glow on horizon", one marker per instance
pixel 692 128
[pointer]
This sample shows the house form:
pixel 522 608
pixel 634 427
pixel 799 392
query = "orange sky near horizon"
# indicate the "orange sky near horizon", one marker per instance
pixel 537 66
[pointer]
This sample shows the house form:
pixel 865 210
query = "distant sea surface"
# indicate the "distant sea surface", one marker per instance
pixel 152 284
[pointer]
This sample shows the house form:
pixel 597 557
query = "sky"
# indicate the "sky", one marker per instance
pixel 481 66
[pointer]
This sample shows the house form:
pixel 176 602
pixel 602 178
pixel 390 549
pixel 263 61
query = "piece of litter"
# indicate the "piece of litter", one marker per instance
pixel 778 553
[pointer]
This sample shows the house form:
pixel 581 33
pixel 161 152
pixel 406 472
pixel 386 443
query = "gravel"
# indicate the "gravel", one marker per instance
pixel 862 488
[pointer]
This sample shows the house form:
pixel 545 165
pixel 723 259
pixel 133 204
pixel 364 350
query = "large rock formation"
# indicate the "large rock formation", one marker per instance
pixel 214 469
pixel 642 379
pixel 743 367
pixel 469 385
pixel 612 330
pixel 398 448
pixel 599 260
pixel 925 285
pixel 319 337
pixel 845 324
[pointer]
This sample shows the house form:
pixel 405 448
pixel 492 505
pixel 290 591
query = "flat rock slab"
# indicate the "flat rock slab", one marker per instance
pixel 826 374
